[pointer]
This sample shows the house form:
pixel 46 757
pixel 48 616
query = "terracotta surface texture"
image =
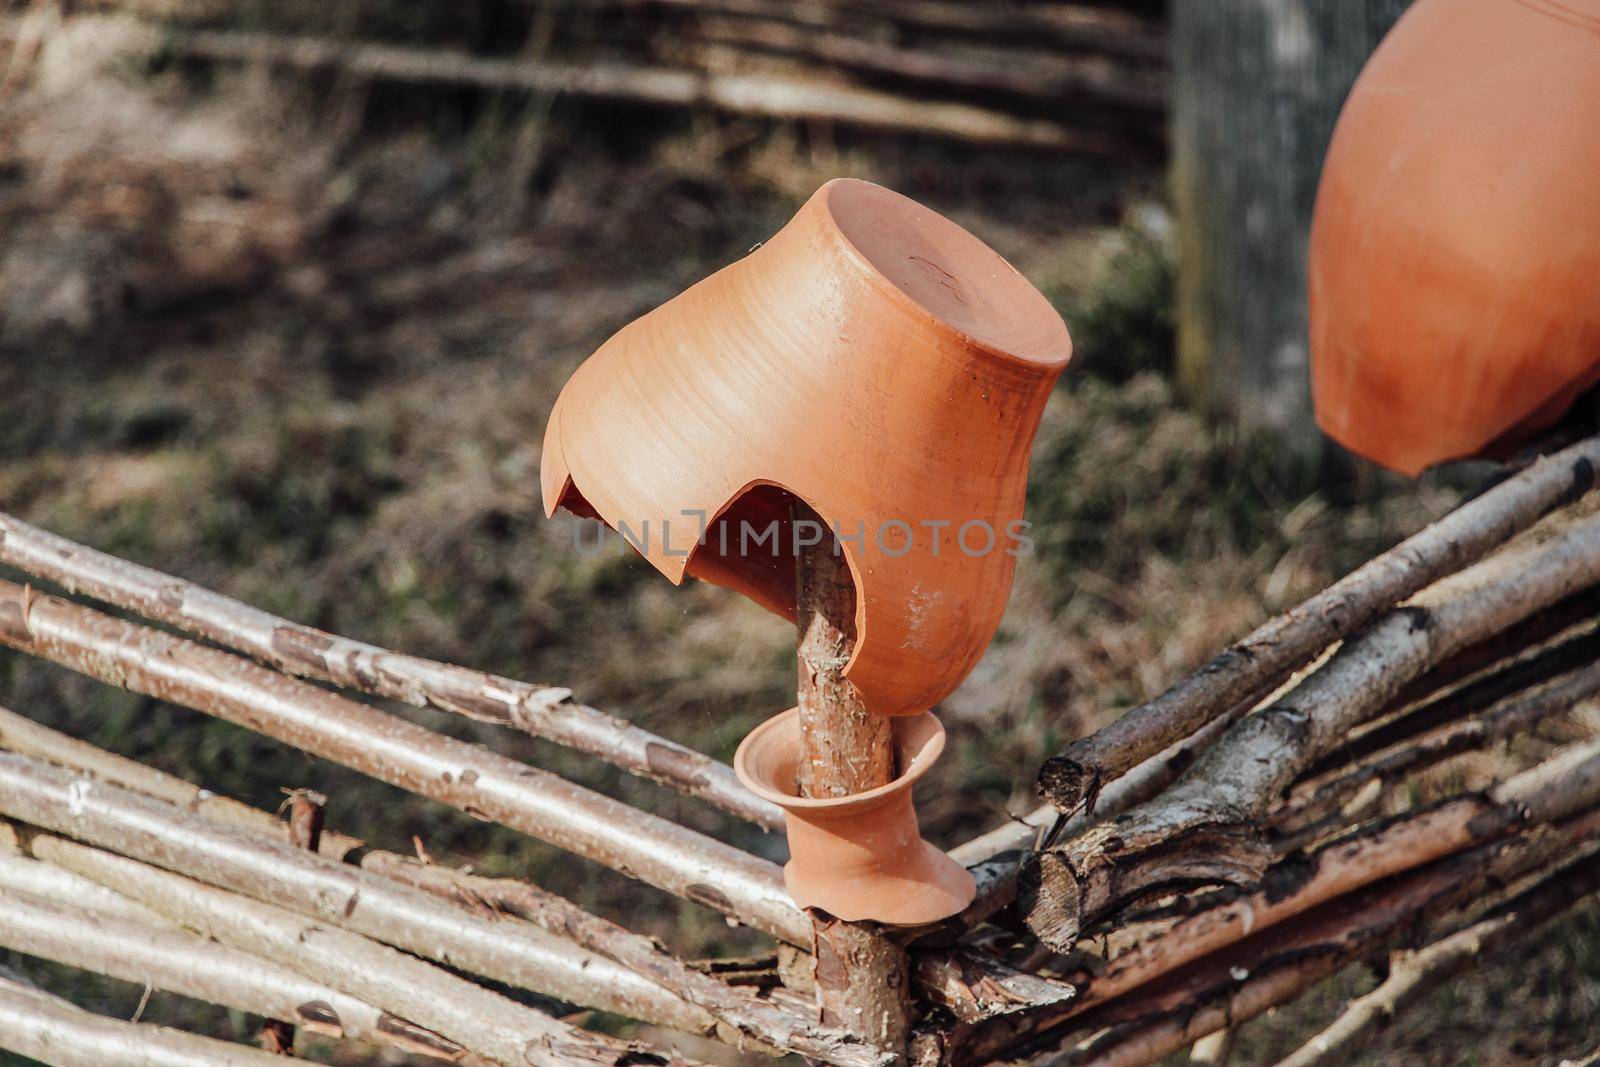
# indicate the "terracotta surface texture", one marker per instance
pixel 1455 248
pixel 861 856
pixel 874 359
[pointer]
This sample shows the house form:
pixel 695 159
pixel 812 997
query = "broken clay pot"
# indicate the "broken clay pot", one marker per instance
pixel 1455 247
pixel 875 360
pixel 861 856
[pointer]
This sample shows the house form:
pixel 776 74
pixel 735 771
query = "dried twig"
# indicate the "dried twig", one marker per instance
pixel 1203 829
pixel 1276 648
pixel 541 710
pixel 465 776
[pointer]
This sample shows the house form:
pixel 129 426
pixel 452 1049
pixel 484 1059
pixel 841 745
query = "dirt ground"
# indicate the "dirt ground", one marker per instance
pixel 297 341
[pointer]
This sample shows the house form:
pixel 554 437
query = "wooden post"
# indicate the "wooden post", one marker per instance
pixel 1256 87
pixel 862 978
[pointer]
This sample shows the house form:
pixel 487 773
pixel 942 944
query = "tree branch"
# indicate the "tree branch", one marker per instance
pixel 152 952
pixel 513 952
pixel 1274 649
pixel 482 1021
pixel 1413 974
pixel 51 1030
pixel 468 777
pixel 1211 814
pixel 540 710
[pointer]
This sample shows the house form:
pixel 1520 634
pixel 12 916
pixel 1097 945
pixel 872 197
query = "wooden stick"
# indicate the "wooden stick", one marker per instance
pixel 1504 647
pixel 1269 654
pixel 151 831
pixel 393 750
pixel 307 811
pixel 1413 974
pixel 1533 818
pixel 541 710
pixel 1318 799
pixel 1265 972
pixel 742 1019
pixel 1204 827
pixel 56 1032
pixel 746 1020
pixel 1231 987
pixel 1519 676
pixel 996 857
pixel 161 956
pixel 862 979
pixel 482 1021
pixel 844 748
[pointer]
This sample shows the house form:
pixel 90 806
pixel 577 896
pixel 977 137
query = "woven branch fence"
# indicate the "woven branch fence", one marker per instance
pixel 1204 858
pixel 1086 77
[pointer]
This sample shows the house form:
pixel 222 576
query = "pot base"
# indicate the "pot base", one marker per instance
pixel 862 856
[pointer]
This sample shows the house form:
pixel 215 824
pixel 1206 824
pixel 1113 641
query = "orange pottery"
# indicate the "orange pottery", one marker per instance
pixel 861 856
pixel 875 360
pixel 1455 246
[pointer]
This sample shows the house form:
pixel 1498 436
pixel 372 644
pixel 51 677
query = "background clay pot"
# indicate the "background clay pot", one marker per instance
pixel 861 856
pixel 1455 248
pixel 874 359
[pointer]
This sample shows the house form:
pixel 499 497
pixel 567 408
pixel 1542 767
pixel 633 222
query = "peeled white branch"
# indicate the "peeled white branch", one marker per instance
pixel 56 1032
pixel 743 1018
pixel 472 1016
pixel 162 956
pixel 1277 647
pixel 331 892
pixel 468 777
pixel 541 710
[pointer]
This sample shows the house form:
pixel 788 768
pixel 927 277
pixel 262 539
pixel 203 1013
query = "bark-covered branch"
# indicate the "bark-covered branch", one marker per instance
pixel 1519 676
pixel 1261 973
pixel 1532 819
pixel 742 1019
pixel 1205 828
pixel 541 710
pixel 995 857
pixel 1414 974
pixel 476 1018
pixel 54 1031
pixel 151 831
pixel 67 929
pixel 1320 799
pixel 735 1009
pixel 465 776
pixel 1269 654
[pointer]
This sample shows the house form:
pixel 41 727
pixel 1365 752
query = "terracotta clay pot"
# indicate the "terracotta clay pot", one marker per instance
pixel 1455 248
pixel 861 856
pixel 874 359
